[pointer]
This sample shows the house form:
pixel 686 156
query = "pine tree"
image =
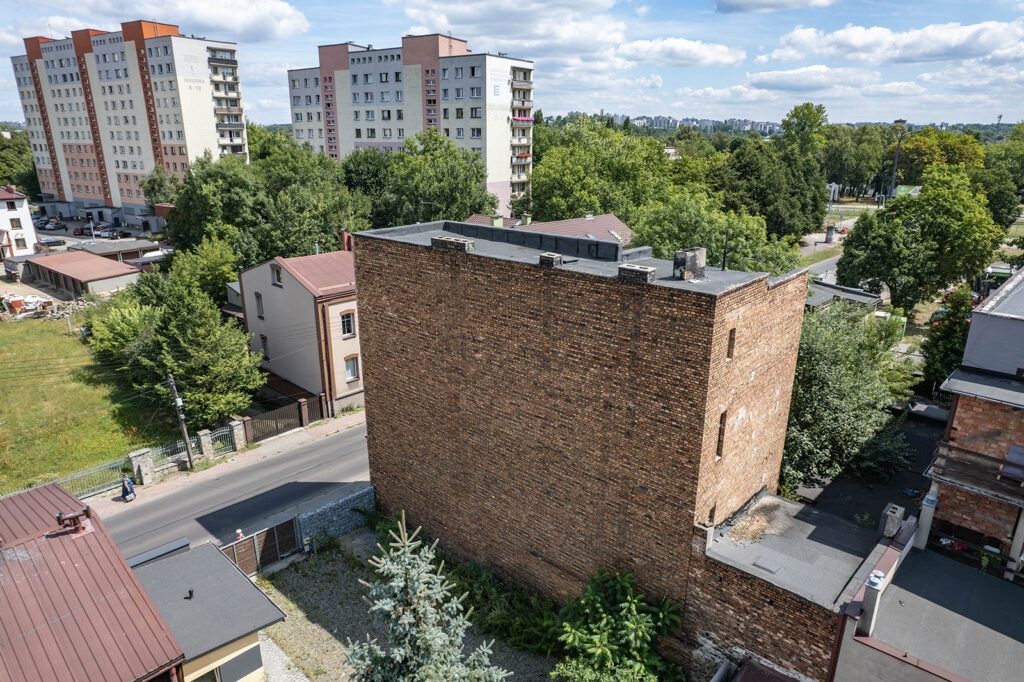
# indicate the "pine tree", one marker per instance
pixel 425 623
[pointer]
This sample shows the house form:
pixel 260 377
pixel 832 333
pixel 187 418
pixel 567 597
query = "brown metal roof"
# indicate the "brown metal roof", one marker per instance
pixel 83 266
pixel 323 274
pixel 603 227
pixel 70 608
pixel 9 192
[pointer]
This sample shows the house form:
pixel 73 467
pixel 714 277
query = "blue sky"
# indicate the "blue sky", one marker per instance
pixel 926 61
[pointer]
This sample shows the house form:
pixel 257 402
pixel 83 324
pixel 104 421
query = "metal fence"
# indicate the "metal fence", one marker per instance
pixel 315 410
pixel 223 440
pixel 97 479
pixel 173 451
pixel 276 421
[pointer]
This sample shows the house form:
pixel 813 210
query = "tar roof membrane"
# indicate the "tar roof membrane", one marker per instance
pixel 820 557
pixel 955 617
pixel 588 256
pixel 1007 300
pixel 986 385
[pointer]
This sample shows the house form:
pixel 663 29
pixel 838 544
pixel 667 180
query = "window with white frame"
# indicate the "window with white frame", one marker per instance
pixel 348 324
pixel 352 368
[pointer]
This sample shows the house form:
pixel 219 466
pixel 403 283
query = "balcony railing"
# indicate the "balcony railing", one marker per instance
pixel 522 121
pixel 522 84
pixel 520 161
pixel 977 472
pixel 222 61
pixel 523 141
pixel 522 103
pixel 519 177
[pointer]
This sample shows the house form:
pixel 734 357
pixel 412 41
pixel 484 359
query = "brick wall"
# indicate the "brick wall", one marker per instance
pixel 983 514
pixel 732 612
pixel 987 427
pixel 550 423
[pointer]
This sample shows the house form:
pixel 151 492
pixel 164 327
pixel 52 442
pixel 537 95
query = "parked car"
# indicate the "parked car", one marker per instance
pixel 52 241
pixel 56 225
pixel 82 231
pixel 113 233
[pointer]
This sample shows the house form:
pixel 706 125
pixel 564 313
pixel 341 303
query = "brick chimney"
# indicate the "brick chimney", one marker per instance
pixel 689 264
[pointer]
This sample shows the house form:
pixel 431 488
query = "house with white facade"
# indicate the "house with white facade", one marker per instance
pixel 17 233
pixel 302 315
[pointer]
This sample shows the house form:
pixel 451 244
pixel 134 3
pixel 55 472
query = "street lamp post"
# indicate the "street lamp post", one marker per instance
pixel 901 133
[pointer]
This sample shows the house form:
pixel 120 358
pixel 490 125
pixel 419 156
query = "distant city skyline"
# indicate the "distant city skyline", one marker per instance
pixel 928 62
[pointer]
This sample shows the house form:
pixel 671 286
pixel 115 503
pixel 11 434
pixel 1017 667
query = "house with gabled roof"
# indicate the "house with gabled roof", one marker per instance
pixel 302 315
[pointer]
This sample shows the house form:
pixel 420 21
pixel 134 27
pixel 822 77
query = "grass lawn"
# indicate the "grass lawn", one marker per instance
pixel 61 410
pixel 821 254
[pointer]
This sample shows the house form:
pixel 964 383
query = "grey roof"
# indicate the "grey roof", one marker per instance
pixel 115 246
pixel 589 256
pixel 822 294
pixel 955 617
pixel 819 556
pixel 225 604
pixel 998 388
pixel 1007 300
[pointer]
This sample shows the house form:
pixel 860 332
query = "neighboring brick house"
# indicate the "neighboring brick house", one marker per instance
pixel 17 233
pixel 978 471
pixel 302 315
pixel 550 405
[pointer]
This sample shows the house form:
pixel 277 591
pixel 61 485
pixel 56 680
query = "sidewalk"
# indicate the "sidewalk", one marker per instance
pixel 109 504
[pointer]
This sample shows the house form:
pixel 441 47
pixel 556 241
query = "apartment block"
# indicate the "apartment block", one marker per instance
pixel 361 96
pixel 104 109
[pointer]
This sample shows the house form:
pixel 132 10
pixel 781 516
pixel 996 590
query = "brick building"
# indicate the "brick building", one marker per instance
pixel 978 471
pixel 553 405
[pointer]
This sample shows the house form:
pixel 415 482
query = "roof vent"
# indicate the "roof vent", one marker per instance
pixel 550 260
pixel 452 243
pixel 689 264
pixel 637 274
pixel 589 215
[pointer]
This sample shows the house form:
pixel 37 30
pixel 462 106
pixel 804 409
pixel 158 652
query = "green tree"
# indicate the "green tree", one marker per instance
pixel 209 267
pixel 846 377
pixel 943 346
pixel 425 623
pixel 160 187
pixel 689 218
pixel 919 245
pixel 17 166
pixel 802 129
pixel 435 180
pixel 996 182
pixel 371 172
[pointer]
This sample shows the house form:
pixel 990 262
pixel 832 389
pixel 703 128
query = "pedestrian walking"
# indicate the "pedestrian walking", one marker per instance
pixel 127 488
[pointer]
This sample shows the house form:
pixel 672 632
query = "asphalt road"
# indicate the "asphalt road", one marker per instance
pixel 249 497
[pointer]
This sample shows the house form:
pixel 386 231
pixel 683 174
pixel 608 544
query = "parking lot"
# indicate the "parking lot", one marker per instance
pixel 67 233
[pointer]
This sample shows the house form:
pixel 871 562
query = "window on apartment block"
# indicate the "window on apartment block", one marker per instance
pixel 385 115
pixel 720 448
pixel 474 71
pixel 476 112
pixel 355 115
pixel 458 93
pixel 476 132
pixel 398 76
pixel 459 112
pixel 19 243
pixel 459 133
pixel 259 305
pixel 371 132
pixel 359 134
pixel 476 92
pixel 399 115
pixel 348 324
pixel 458 72
pixel 731 348
pixel 275 276
pixel 384 77
pixel 352 368
pixel 265 346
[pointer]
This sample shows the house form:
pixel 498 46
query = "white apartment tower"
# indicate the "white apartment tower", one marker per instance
pixel 103 109
pixel 365 97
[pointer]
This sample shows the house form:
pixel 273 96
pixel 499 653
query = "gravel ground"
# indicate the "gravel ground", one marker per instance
pixel 324 603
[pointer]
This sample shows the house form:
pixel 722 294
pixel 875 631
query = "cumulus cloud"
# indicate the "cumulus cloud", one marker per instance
pixel 681 52
pixel 973 76
pixel 249 20
pixel 990 41
pixel 53 26
pixel 813 78
pixel 733 93
pixel 727 6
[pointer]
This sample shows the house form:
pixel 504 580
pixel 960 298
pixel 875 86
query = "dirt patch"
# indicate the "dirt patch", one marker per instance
pixel 754 524
pixel 325 605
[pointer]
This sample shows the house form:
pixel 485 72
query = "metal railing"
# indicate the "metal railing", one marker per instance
pixel 97 479
pixel 223 440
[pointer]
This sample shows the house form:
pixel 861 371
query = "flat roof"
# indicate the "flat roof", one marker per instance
pixel 818 556
pixel 588 256
pixel 116 246
pixel 1007 300
pixel 71 608
pixel 84 266
pixel 977 383
pixel 224 605
pixel 955 617
pixel 822 293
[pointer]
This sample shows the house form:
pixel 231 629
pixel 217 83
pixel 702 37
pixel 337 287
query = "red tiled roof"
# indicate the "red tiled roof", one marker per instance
pixel 599 227
pixel 72 610
pixel 9 192
pixel 481 219
pixel 324 274
pixel 84 266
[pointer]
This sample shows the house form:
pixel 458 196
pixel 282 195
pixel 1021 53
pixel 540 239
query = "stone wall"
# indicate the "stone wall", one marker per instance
pixel 339 516
pixel 550 423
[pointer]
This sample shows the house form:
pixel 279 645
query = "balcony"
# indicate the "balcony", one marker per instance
pixel 522 103
pixel 224 125
pixel 521 141
pixel 227 110
pixel 221 78
pixel 981 474
pixel 519 176
pixel 521 160
pixel 526 85
pixel 222 61
pixel 522 121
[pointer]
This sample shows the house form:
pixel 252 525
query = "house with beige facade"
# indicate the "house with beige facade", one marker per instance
pixel 302 315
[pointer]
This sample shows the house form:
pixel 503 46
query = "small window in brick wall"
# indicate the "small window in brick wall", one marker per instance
pixel 731 350
pixel 721 435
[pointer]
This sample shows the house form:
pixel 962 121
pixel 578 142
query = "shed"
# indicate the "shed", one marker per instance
pixel 79 272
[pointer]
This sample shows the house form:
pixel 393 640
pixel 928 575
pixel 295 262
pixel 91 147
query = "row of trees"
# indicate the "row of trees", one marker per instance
pixel 16 165
pixel 288 200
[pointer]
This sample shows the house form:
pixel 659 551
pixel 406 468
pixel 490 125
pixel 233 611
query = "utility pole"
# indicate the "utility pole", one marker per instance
pixel 181 419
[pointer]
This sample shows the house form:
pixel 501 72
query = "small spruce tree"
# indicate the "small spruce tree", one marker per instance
pixel 425 623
